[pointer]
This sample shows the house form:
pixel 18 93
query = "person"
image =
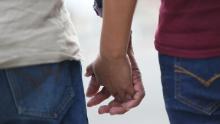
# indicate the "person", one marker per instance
pixel 40 69
pixel 188 43
pixel 115 67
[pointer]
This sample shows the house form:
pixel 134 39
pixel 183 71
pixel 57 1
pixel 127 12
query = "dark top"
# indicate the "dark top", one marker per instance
pixel 189 28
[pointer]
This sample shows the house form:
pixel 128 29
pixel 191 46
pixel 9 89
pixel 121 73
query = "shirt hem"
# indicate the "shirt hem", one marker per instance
pixel 186 53
pixel 23 61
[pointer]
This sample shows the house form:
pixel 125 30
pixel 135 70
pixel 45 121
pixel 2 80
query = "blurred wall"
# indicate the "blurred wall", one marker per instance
pixel 152 110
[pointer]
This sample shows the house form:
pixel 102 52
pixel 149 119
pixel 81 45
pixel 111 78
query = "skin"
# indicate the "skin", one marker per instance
pixel 114 107
pixel 115 69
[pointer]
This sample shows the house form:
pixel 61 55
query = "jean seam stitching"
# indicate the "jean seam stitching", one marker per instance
pixel 32 112
pixel 12 88
pixel 187 101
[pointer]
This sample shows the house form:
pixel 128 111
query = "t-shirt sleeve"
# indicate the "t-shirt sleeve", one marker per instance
pixel 98 7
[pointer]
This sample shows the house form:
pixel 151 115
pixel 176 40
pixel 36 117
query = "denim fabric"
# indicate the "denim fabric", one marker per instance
pixel 191 89
pixel 43 94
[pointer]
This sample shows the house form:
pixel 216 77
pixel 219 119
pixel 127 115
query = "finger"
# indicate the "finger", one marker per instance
pixel 131 57
pixel 134 64
pixel 126 94
pixel 98 98
pixel 104 109
pixel 135 102
pixel 130 91
pixel 137 81
pixel 138 97
pixel 93 87
pixel 138 86
pixel 89 70
pixel 130 46
pixel 117 111
pixel 114 103
pixel 116 108
pixel 136 76
pixel 113 108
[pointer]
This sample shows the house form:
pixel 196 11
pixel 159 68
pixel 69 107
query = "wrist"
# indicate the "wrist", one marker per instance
pixel 113 55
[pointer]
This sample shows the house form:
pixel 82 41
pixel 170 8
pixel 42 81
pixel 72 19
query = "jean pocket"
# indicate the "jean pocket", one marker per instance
pixel 197 83
pixel 43 91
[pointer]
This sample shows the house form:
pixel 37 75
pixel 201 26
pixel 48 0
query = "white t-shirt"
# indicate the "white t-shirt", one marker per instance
pixel 36 32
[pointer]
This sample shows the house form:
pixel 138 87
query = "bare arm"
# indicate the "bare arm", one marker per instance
pixel 117 19
pixel 116 68
pixel 112 68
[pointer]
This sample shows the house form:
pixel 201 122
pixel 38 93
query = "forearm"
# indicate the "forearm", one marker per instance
pixel 117 20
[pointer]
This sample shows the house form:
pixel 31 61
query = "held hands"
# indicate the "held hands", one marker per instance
pixel 120 78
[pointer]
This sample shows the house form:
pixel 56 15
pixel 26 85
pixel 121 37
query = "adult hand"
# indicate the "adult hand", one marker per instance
pixel 115 75
pixel 116 107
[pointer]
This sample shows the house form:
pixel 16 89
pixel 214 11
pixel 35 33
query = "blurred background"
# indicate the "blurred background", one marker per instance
pixel 88 25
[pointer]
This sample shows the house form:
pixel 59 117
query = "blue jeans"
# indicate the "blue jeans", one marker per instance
pixel 43 94
pixel 191 89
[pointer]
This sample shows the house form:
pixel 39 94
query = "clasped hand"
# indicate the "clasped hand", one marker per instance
pixel 120 78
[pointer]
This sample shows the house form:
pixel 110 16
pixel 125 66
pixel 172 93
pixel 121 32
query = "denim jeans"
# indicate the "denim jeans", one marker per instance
pixel 43 94
pixel 191 89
